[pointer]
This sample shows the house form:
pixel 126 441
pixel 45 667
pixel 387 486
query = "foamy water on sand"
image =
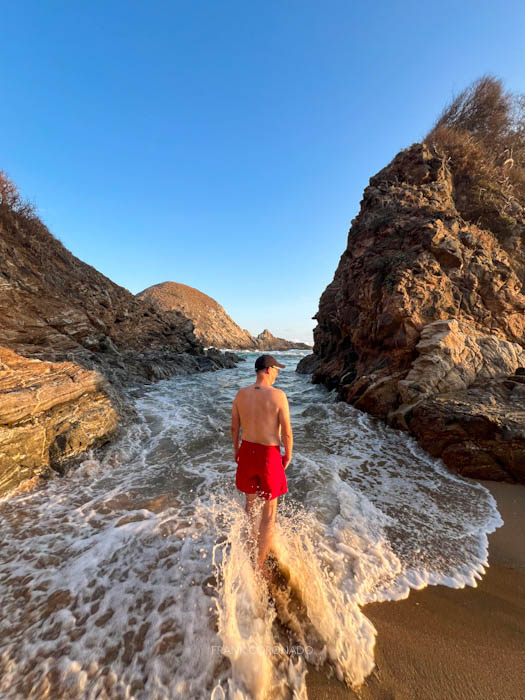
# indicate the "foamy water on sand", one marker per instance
pixel 131 578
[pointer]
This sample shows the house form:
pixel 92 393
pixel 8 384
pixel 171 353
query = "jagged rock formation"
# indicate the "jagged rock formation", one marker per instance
pixel 267 341
pixel 213 326
pixel 424 322
pixel 55 308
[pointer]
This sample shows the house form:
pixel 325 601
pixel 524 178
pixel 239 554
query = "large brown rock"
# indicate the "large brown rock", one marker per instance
pixel 425 304
pixel 213 326
pixel 50 412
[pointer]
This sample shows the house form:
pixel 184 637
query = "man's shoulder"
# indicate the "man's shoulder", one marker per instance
pixel 278 393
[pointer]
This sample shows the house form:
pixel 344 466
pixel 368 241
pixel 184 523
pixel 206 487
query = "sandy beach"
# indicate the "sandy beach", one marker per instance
pixel 442 643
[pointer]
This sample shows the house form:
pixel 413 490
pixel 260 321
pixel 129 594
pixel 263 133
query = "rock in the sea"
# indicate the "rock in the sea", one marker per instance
pixel 308 364
pixel 426 313
pixel 50 412
pixel 212 324
pixel 267 341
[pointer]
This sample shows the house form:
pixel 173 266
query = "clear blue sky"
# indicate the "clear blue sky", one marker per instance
pixel 226 144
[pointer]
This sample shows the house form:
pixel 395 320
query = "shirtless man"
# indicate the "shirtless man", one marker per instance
pixel 263 415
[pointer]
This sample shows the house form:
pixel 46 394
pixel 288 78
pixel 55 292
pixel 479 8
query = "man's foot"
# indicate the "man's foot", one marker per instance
pixel 267 570
pixel 266 573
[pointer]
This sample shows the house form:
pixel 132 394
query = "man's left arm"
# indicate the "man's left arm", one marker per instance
pixel 236 429
pixel 286 429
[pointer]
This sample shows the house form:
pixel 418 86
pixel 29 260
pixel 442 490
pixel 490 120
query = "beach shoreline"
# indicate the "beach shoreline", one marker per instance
pixel 440 642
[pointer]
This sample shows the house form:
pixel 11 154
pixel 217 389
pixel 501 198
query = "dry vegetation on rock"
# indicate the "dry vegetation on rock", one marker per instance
pixel 481 134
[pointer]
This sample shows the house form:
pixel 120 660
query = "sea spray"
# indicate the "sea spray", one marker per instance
pixel 324 627
pixel 245 618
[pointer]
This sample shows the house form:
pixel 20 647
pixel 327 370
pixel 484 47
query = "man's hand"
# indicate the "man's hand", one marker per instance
pixel 286 460
pixel 236 449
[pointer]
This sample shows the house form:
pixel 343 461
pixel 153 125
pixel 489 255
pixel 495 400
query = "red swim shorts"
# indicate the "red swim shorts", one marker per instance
pixel 260 470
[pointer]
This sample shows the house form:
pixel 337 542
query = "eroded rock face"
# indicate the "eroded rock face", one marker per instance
pixel 49 413
pixel 213 326
pixel 452 356
pixel 424 305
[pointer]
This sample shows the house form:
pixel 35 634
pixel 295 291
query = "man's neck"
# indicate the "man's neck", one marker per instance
pixel 262 383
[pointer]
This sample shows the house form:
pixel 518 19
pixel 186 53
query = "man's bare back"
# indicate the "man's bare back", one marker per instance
pixel 261 411
pixel 263 415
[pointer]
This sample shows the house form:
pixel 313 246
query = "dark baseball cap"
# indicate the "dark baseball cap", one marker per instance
pixel 265 361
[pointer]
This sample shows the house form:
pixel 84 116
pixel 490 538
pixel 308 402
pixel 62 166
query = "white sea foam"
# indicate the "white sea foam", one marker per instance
pixel 132 577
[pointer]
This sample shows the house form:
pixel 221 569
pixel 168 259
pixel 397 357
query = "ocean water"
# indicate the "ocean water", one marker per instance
pixel 132 578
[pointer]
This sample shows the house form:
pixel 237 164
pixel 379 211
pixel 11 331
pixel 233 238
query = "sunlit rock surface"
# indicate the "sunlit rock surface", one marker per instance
pixel 50 412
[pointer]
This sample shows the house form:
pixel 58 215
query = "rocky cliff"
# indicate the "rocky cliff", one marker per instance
pixel 424 321
pixel 70 339
pixel 213 326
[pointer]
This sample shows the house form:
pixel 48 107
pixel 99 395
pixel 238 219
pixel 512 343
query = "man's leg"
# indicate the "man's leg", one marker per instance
pixel 266 530
pixel 251 512
pixel 250 503
pixel 266 526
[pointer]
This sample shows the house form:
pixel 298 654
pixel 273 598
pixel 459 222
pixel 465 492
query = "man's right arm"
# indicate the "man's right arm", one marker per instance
pixel 236 428
pixel 286 429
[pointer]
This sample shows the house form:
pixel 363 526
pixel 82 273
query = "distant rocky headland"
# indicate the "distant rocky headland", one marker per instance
pixel 212 325
pixel 423 324
pixel 70 341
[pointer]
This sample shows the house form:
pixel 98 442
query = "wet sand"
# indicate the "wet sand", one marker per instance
pixel 443 643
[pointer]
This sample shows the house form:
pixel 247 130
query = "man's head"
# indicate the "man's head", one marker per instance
pixel 269 365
